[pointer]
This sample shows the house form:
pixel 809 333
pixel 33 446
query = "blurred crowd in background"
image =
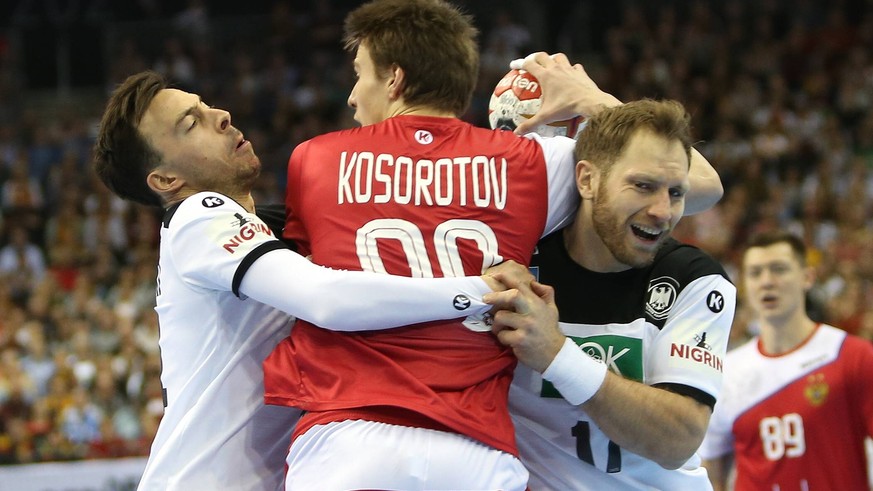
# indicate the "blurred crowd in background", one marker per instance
pixel 781 95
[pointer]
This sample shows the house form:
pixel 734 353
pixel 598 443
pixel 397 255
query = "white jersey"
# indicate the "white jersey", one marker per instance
pixel 216 259
pixel 665 325
pixel 216 432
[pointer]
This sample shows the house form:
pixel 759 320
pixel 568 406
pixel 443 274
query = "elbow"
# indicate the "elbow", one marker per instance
pixel 671 464
pixel 717 191
pixel 704 197
pixel 685 442
pixel 676 457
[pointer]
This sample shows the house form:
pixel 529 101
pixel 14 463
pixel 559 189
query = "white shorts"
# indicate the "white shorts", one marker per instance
pixel 355 454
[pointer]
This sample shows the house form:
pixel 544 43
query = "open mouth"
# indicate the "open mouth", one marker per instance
pixel 647 234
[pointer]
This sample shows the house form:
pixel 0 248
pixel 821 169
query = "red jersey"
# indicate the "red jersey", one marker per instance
pixel 796 421
pixel 416 196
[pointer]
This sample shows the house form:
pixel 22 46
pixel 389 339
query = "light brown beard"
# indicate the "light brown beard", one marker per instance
pixel 612 232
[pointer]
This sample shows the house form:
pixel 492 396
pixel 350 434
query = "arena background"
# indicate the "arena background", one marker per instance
pixel 780 92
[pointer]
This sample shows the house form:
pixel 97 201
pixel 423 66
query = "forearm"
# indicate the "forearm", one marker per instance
pixel 705 185
pixel 356 300
pixel 654 423
pixel 590 104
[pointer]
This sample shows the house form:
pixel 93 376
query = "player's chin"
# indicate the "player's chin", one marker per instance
pixel 641 255
pixel 634 257
pixel 251 170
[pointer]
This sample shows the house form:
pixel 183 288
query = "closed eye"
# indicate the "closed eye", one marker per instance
pixel 643 186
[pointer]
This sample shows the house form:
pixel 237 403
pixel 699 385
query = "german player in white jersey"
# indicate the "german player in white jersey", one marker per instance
pixel 227 288
pixel 616 383
pixel 796 404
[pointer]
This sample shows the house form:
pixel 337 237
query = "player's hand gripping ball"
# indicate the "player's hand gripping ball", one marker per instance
pixel 516 98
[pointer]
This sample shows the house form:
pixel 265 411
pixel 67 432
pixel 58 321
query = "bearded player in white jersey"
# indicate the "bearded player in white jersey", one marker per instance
pixel 227 288
pixel 796 404
pixel 616 383
pixel 414 191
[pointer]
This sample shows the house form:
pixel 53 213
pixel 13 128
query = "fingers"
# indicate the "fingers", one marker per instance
pixel 493 282
pixel 511 277
pixel 536 62
pixel 522 299
pixel 560 58
pixel 545 292
pixel 527 125
pixel 511 328
pixel 501 300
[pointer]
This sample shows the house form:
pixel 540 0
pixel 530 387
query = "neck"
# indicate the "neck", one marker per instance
pixel 781 335
pixel 422 111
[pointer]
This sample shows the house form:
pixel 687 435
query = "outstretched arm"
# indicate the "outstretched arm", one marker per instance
pixel 215 244
pixel 361 301
pixel 568 91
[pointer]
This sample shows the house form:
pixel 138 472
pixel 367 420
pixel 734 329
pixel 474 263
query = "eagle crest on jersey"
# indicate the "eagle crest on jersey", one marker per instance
pixel 817 390
pixel 662 295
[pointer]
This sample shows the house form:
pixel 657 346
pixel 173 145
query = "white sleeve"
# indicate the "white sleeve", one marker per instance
pixel 690 349
pixel 357 300
pixel 561 171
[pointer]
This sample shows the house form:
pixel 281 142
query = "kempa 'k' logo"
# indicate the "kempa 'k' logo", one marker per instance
pixel 662 296
pixel 461 302
pixel 424 137
pixel 212 201
pixel 715 301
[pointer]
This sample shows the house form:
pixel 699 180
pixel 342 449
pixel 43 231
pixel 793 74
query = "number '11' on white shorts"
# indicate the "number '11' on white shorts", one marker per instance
pixel 355 454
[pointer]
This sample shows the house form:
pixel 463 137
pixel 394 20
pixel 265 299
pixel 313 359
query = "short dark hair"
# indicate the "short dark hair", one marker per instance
pixel 122 157
pixel 766 239
pixel 607 133
pixel 431 40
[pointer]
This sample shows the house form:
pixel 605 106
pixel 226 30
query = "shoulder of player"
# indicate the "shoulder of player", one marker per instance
pixel 746 350
pixel 685 263
pixel 200 205
pixel 326 139
pixel 740 364
pixel 850 344
pixel 554 145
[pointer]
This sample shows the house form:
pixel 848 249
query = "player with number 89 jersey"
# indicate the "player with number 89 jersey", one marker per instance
pixel 797 406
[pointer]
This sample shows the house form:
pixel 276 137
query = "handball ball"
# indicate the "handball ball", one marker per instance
pixel 516 98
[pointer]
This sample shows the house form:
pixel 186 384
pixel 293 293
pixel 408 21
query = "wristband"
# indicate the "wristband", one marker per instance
pixel 576 375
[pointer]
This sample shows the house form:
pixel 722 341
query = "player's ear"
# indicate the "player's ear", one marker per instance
pixel 396 82
pixel 808 278
pixel 163 182
pixel 586 177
